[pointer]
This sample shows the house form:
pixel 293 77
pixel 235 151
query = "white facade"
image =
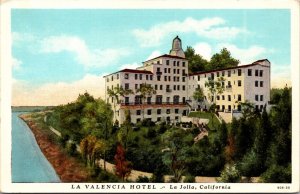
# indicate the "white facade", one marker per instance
pixel 168 75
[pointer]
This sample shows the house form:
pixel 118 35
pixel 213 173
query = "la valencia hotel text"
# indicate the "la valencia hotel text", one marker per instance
pixel 168 75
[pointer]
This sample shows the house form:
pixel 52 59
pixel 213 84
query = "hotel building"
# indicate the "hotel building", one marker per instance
pixel 168 75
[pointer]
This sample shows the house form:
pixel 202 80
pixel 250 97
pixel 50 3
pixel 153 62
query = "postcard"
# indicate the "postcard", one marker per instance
pixel 150 96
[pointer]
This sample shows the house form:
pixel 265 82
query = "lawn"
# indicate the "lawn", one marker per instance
pixel 207 115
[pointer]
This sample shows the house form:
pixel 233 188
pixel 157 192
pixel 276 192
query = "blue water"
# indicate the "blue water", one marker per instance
pixel 28 162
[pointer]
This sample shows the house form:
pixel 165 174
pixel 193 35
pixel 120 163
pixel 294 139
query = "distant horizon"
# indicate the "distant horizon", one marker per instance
pixel 59 54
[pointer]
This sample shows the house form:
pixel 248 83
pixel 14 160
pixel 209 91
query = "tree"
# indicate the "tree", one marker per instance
pixel 230 174
pixel 175 155
pixel 222 60
pixel 198 95
pixel 215 87
pixel 196 61
pixel 146 90
pixel 126 128
pixel 123 167
pixel 113 93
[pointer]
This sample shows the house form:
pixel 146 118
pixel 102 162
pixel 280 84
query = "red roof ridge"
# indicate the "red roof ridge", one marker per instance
pixel 166 55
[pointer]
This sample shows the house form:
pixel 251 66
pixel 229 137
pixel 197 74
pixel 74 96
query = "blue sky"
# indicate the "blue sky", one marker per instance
pixel 60 53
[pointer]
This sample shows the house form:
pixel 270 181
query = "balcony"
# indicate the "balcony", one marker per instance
pixel 184 74
pixel 168 90
pixel 158 73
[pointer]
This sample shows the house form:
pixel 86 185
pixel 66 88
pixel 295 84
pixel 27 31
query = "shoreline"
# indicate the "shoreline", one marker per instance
pixel 66 167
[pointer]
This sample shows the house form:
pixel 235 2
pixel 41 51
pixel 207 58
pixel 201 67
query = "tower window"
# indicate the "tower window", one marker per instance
pixel 256 83
pixel 239 72
pixel 168 62
pixel 239 83
pixel 261 73
pixel 256 72
pixel 183 64
pixel 249 72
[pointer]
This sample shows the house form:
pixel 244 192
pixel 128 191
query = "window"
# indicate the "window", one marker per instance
pixel 158 111
pixel 169 70
pixel 158 99
pixel 218 97
pixel 218 74
pixel 174 71
pixel 174 87
pixel 223 97
pixel 147 77
pixel 151 77
pixel 183 87
pixel 239 107
pixel 112 78
pixel 155 86
pixel 183 79
pixel 174 63
pixel 127 86
pixel 178 79
pixel 126 100
pixel 176 118
pixel 261 84
pixel 223 73
pixel 177 63
pixel 229 73
pixel 137 100
pixel 158 78
pixel 261 97
pixel 256 83
pixel 175 99
pixel 136 86
pixel 165 70
pixel 229 98
pixel 117 76
pixel 239 72
pixel 256 97
pixel 135 76
pixel 138 120
pixel 239 97
pixel 183 64
pixel 261 108
pixel 158 118
pixel 239 83
pixel 166 78
pixel 168 100
pixel 157 62
pixel 107 79
pixel 161 87
pixel 158 69
pixel 212 75
pixel 256 72
pixel 178 71
pixel 168 111
pixel 126 76
pixel 168 62
pixel 198 77
pixel 229 107
pixel 169 78
pixel 223 107
pixel 149 112
pixel 261 73
pixel 176 111
pixel 148 100
pixel 138 112
pixel 183 99
pixel 249 72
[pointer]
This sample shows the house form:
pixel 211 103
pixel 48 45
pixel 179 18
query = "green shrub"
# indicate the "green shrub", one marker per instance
pixel 189 179
pixel 142 179
pixel 71 149
pixel 230 174
pixel 277 174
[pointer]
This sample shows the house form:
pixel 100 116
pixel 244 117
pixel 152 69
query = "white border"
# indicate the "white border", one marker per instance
pixel 6 80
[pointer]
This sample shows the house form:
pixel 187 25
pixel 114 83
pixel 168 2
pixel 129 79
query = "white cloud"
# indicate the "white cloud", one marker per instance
pixel 208 27
pixel 130 66
pixel 56 93
pixel 84 55
pixel 280 75
pixel 154 54
pixel 245 55
pixel 204 50
pixel 16 63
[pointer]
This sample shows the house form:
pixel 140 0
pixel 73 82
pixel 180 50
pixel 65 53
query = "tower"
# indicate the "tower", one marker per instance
pixel 177 48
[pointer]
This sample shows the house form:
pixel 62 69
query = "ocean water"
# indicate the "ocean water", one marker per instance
pixel 28 162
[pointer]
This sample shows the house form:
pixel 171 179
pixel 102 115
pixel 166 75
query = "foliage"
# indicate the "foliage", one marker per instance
pixel 277 174
pixel 230 174
pixel 222 60
pixel 145 90
pixel 123 167
pixel 142 179
pixel 215 87
pixel 196 61
pixel 189 179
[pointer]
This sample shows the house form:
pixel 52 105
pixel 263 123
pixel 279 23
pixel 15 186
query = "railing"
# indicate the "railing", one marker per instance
pixel 153 103
pixel 168 90
pixel 158 73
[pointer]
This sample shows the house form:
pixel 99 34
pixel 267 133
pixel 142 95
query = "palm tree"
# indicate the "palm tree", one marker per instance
pixel 146 90
pixel 113 93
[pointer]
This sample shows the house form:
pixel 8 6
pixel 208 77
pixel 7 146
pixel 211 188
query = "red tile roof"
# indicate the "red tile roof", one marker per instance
pixel 237 67
pixel 166 55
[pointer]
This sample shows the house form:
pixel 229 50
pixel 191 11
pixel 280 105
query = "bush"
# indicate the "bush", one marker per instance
pixel 277 174
pixel 71 149
pixel 142 179
pixel 189 179
pixel 105 177
pixel 230 174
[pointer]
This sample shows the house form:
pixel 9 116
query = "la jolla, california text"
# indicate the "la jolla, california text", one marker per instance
pixel 148 187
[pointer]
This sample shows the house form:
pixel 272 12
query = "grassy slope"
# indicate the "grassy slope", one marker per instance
pixel 206 115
